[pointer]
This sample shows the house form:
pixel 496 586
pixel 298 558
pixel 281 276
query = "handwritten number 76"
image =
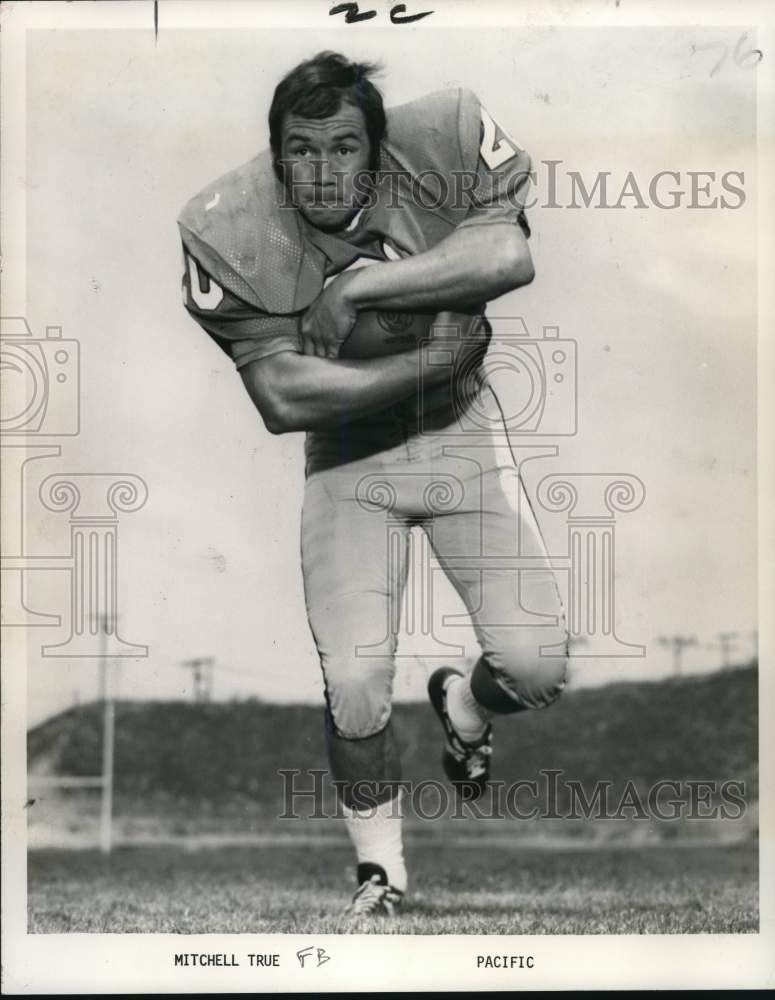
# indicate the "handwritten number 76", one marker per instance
pixel 745 58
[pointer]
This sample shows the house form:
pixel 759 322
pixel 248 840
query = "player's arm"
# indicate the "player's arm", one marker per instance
pixel 471 265
pixel 291 391
pixel 474 264
pixel 294 392
pixel 485 257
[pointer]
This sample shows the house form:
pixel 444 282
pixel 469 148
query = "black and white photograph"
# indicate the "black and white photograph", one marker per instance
pixel 387 460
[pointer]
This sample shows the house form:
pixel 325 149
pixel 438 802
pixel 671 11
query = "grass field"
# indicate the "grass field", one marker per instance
pixel 475 889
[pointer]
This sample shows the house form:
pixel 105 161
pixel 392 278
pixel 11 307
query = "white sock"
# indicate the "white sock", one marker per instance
pixel 376 836
pixel 466 714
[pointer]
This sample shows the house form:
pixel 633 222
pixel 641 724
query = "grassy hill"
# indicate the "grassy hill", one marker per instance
pixel 215 755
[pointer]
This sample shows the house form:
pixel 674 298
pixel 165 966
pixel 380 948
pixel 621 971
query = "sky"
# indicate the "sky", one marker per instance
pixel 660 303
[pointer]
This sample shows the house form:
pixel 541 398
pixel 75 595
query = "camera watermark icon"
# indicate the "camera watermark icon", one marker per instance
pixel 534 381
pixel 40 401
pixel 41 381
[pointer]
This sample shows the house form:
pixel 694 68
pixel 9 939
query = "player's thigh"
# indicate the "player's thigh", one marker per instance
pixel 495 534
pixel 348 548
pixel 354 567
pixel 517 614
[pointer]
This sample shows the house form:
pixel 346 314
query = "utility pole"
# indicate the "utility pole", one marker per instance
pixel 679 644
pixel 108 740
pixel 726 642
pixel 201 668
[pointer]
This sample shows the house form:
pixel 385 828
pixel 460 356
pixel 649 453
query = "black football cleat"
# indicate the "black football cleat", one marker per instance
pixel 374 898
pixel 467 765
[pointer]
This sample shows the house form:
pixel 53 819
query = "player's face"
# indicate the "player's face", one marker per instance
pixel 325 165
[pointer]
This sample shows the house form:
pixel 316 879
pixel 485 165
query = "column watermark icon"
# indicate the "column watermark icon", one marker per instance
pixel 41 404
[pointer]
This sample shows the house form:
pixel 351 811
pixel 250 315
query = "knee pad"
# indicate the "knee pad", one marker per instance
pixel 516 677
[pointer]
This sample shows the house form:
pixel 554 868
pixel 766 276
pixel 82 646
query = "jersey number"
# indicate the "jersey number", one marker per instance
pixel 206 293
pixel 496 148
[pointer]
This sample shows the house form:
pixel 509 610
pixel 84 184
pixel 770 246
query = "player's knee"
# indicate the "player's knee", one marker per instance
pixel 536 680
pixel 359 694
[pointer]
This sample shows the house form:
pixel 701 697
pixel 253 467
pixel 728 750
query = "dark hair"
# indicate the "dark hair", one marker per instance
pixel 318 87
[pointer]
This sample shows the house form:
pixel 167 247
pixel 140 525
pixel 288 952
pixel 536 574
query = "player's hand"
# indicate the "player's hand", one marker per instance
pixel 329 320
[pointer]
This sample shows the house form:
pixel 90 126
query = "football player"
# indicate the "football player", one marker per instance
pixel 352 215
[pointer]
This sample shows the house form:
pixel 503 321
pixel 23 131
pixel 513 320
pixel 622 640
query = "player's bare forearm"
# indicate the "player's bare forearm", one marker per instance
pixel 294 392
pixel 471 265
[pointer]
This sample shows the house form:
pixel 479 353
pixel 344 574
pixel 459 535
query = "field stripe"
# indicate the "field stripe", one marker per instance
pixel 194 842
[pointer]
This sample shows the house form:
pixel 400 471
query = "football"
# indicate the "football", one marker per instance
pixel 377 334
